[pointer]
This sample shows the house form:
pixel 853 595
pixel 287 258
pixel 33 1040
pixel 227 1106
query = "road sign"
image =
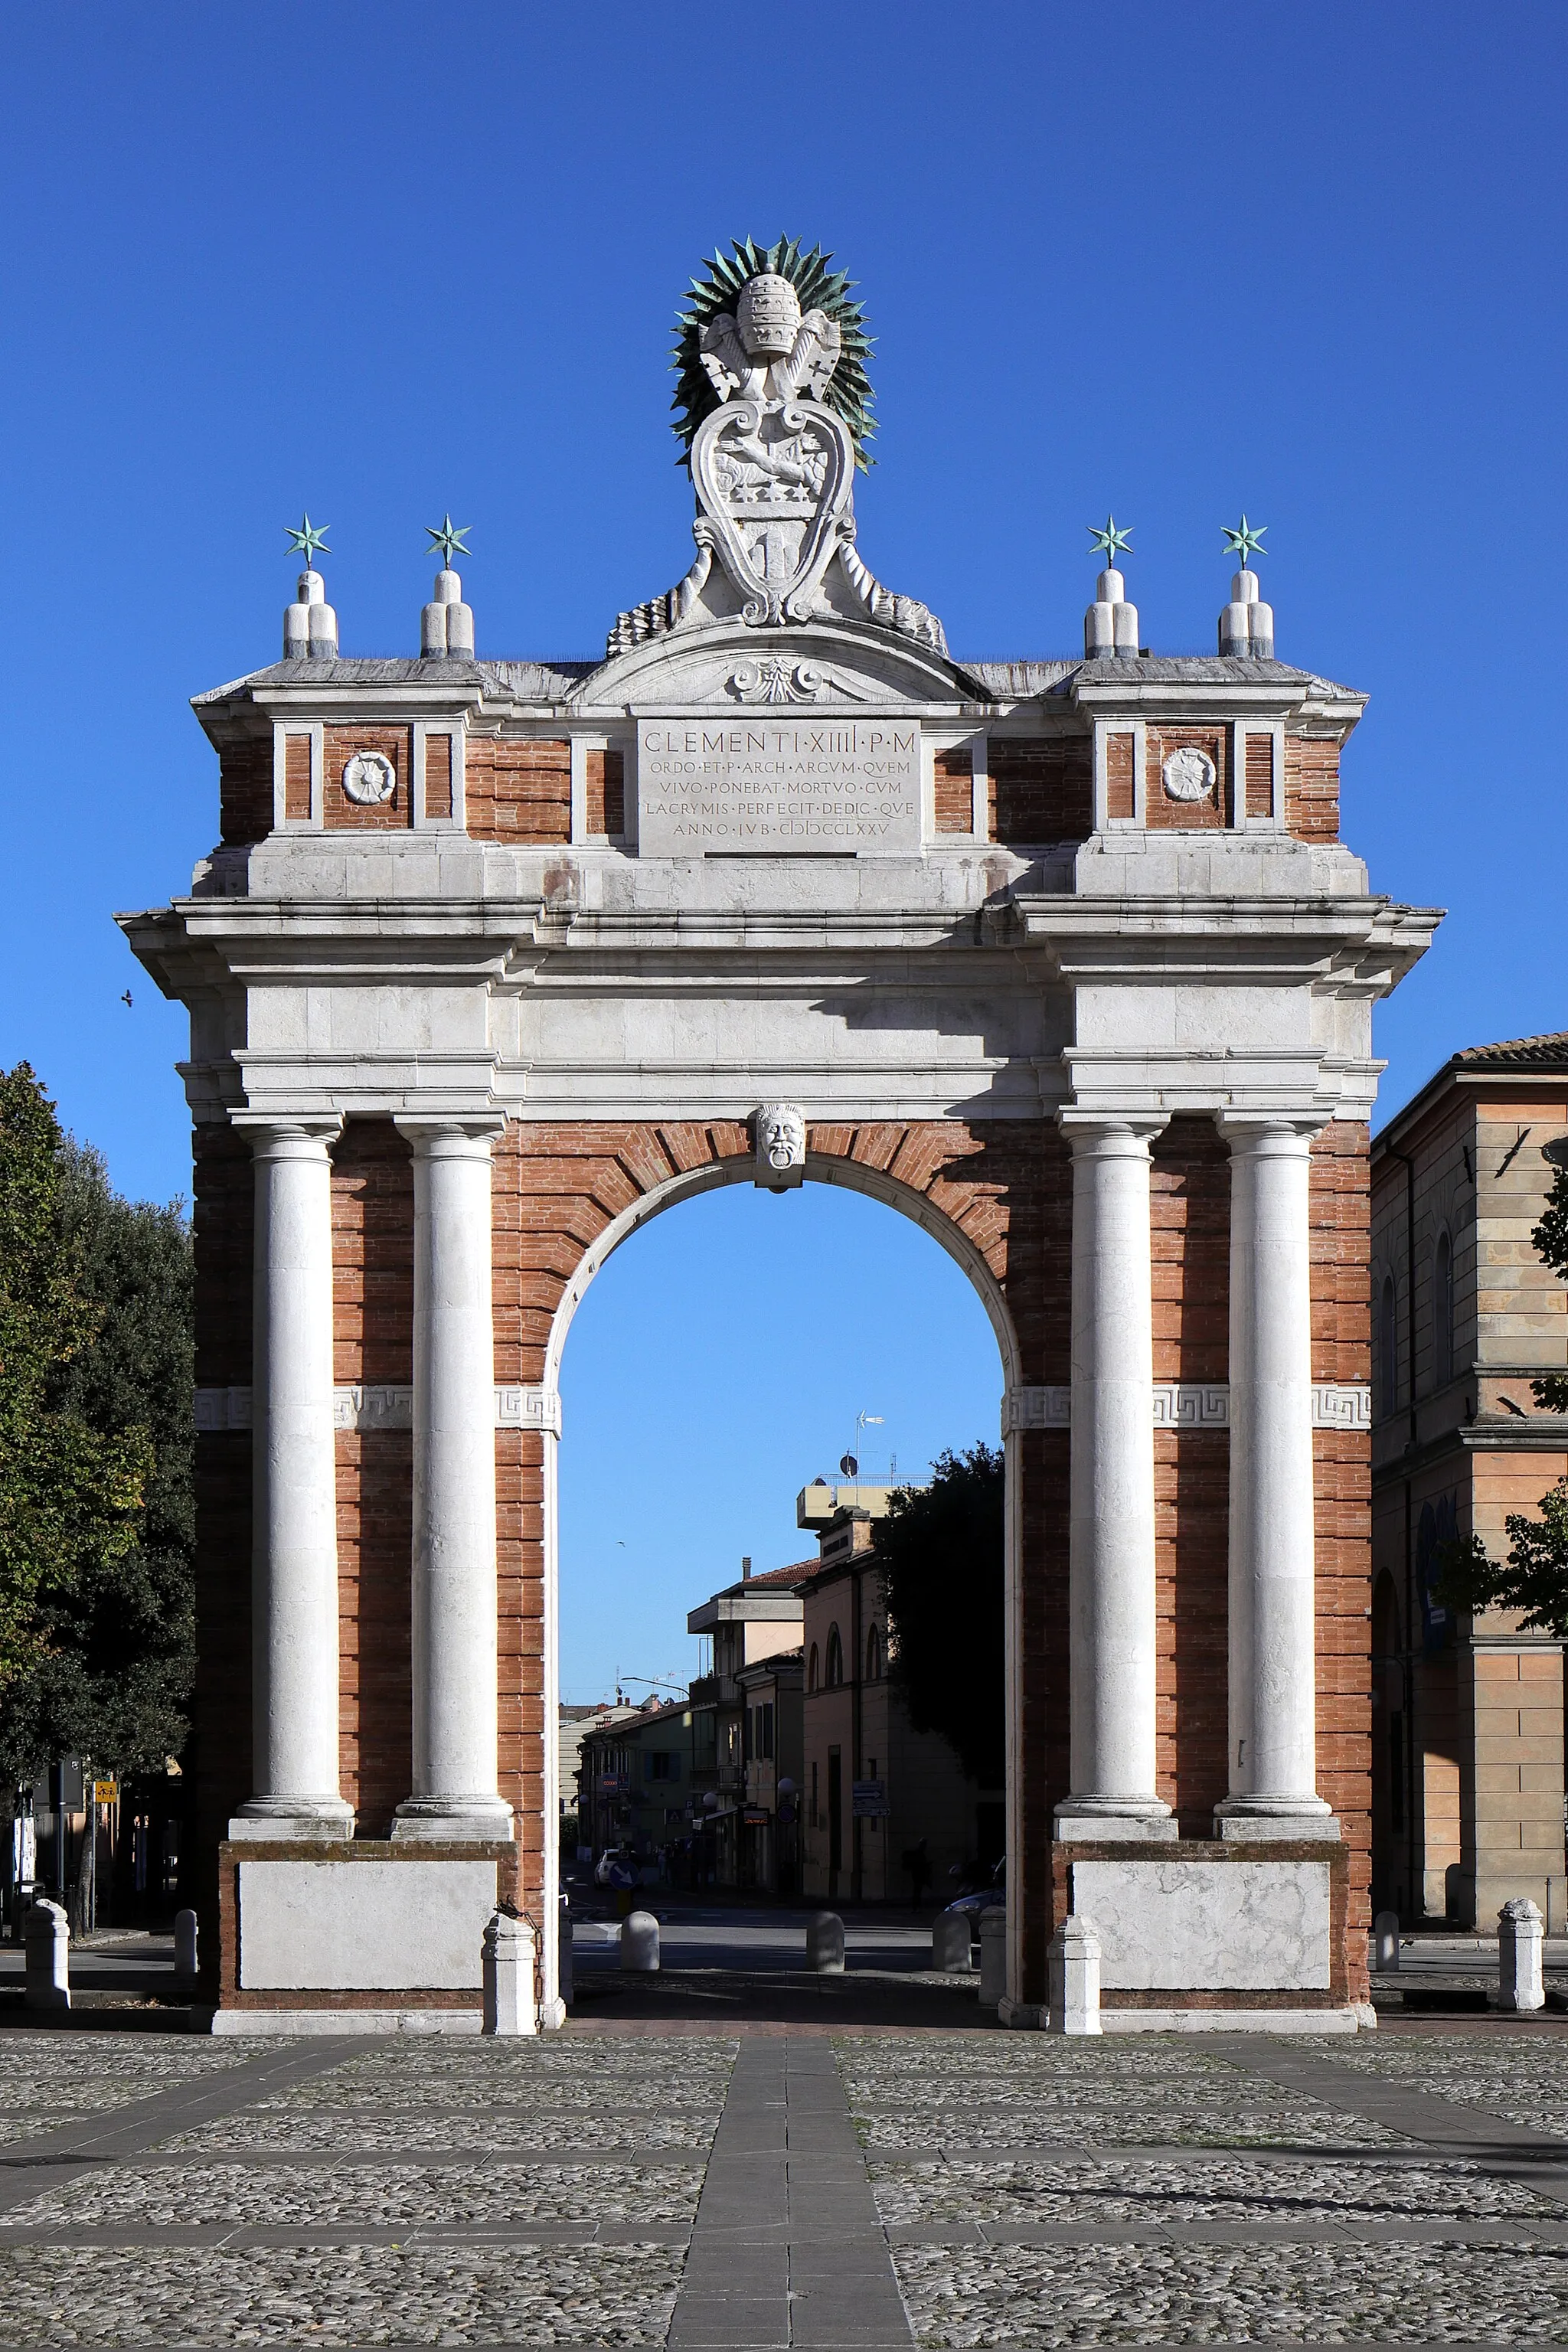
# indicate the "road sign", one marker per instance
pixel 870 1800
pixel 105 1793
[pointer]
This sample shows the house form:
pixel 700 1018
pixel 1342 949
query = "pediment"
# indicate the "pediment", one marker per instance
pixel 822 664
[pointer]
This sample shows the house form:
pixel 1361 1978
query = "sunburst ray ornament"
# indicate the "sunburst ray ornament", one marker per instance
pixel 306 540
pixel 819 287
pixel 1111 542
pixel 449 538
pixel 1245 539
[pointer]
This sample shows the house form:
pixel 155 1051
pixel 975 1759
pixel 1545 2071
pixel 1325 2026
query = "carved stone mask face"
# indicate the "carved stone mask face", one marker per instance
pixel 767 314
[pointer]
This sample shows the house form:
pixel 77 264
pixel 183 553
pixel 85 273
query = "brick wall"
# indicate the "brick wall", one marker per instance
pixel 953 773
pixel 605 791
pixel 1164 815
pixel 518 790
pixel 1311 788
pixel 245 790
pixel 338 812
pixel 1041 789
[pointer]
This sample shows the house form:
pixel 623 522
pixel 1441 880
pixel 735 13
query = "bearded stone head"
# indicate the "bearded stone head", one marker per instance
pixel 768 316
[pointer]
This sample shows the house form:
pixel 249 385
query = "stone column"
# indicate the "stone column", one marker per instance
pixel 1111 1526
pixel 1273 1714
pixel 454 1589
pixel 294 1585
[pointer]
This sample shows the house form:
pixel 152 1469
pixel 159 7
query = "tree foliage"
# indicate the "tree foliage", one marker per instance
pixel 942 1553
pixel 1535 1576
pixel 96 1508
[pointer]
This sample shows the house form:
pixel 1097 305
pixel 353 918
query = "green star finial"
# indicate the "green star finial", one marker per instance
pixel 307 541
pixel 449 538
pixel 1244 540
pixel 1111 542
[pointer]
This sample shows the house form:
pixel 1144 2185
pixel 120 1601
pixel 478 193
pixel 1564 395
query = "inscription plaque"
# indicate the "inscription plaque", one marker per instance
pixel 712 787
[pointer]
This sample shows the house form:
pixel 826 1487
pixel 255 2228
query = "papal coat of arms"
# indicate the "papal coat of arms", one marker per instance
pixel 772 413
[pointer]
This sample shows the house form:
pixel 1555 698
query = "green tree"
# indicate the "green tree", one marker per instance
pixel 941 1552
pixel 1535 1576
pixel 95 1454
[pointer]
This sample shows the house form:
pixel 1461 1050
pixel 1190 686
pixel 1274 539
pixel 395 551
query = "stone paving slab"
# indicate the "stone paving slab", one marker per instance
pixel 1257 2292
pixel 463 2129
pixel 366 2191
pixel 338 2296
pixel 1342 2194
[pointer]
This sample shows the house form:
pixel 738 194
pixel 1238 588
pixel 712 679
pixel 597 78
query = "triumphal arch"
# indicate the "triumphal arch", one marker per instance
pixel 1063 958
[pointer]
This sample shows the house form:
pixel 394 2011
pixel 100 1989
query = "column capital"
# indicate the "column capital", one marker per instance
pixel 1263 1132
pixel 288 1138
pixel 447 1136
pixel 1114 1134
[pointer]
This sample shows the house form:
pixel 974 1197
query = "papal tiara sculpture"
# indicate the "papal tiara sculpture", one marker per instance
pixel 772 414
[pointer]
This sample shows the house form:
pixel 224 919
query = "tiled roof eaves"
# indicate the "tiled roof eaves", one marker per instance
pixel 1545 1056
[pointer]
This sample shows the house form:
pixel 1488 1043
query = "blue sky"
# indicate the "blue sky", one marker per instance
pixel 382 261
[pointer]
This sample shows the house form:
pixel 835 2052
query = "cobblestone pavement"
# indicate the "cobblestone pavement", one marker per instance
pixel 868 2194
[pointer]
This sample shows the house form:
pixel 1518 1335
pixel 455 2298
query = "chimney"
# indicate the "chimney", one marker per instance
pixel 309 623
pixel 1246 623
pixel 745 1567
pixel 447 624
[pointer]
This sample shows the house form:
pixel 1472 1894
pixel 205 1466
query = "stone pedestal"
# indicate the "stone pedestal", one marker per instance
pixel 1072 1975
pixel 45 1935
pixel 508 1957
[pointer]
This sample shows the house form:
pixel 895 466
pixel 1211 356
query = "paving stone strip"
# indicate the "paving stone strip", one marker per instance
pixel 1382 2099
pixel 787 2249
pixel 50 2159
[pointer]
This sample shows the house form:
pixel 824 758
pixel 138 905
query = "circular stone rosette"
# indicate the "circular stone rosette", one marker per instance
pixel 369 779
pixel 1188 774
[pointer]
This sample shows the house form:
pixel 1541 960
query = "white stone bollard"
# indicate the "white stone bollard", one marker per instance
pixel 564 1979
pixel 1386 1940
pixel 993 1956
pixel 950 1940
pixel 639 1943
pixel 185 1943
pixel 508 1957
pixel 46 1936
pixel 1518 1939
pixel 1072 1977
pixel 825 1944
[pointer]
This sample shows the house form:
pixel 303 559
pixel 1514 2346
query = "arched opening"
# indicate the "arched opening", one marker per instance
pixel 667 1425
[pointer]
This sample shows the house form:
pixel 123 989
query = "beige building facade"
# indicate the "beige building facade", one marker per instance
pixel 1467 1746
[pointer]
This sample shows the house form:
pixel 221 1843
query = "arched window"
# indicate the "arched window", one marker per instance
pixel 1387 1349
pixel 874 1654
pixel 811 1670
pixel 835 1658
pixel 1443 1313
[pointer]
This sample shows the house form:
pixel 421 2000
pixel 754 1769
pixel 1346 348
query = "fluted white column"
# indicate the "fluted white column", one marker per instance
pixel 454 1589
pixel 294 1578
pixel 1273 1673
pixel 1111 1526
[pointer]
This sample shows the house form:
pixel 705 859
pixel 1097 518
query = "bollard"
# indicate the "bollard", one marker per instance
pixel 185 1943
pixel 1519 1942
pixel 993 1956
pixel 640 1942
pixel 45 1933
pixel 1386 1940
pixel 1072 1977
pixel 950 1940
pixel 509 1952
pixel 563 1951
pixel 825 1944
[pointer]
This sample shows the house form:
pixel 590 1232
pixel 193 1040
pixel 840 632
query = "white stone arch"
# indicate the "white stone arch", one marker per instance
pixel 821 1168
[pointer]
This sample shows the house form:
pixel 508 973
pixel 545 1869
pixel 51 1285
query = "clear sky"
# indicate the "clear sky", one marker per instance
pixel 383 261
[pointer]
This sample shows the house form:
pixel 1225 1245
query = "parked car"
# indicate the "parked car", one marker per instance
pixel 984 1898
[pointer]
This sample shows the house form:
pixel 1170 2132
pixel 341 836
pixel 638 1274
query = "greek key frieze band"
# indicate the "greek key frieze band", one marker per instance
pixel 371 1408
pixel 1181 1405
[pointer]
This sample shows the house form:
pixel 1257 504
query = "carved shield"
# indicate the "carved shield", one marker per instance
pixel 774 477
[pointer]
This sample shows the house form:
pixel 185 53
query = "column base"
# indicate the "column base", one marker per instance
pixel 1239 1819
pixel 473 1818
pixel 293 1817
pixel 1097 1821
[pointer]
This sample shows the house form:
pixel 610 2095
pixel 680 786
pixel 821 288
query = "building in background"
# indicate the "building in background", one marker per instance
pixel 576 1722
pixel 1468 1778
pixel 875 1790
pixel 753 1619
pixel 634 1778
pixel 773 1751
